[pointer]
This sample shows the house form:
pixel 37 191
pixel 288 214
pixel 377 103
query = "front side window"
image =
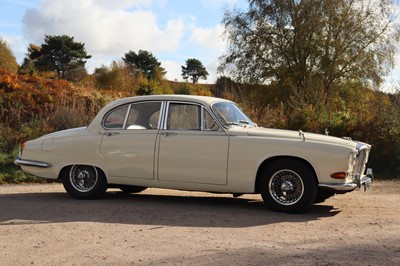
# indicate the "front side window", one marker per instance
pixel 183 117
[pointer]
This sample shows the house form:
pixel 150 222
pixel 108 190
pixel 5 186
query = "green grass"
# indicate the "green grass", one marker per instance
pixel 12 174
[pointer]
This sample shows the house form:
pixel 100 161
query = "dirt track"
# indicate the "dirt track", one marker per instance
pixel 42 225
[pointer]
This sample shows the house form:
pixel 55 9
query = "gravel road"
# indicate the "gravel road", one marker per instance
pixel 42 225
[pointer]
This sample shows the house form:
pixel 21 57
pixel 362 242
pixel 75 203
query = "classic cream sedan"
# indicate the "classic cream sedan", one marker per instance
pixel 196 143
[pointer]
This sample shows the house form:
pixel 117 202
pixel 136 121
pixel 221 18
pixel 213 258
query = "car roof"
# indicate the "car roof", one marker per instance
pixel 204 100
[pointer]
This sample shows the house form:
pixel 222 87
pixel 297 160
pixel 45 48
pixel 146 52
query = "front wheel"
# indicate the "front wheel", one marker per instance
pixel 288 185
pixel 84 182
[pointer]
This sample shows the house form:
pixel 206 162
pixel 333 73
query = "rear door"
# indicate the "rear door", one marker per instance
pixel 128 145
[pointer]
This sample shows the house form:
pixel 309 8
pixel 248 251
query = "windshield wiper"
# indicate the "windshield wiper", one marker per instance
pixel 231 123
pixel 247 123
pixel 240 122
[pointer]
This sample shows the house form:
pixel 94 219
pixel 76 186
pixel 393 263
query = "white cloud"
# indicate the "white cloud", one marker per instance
pixel 109 29
pixel 118 4
pixel 104 31
pixel 208 38
pixel 174 70
pixel 218 3
pixel 212 70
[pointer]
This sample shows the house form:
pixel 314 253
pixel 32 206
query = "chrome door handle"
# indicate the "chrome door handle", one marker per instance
pixel 112 133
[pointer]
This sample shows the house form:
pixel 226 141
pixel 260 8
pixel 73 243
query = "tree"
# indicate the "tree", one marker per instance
pixel 58 53
pixel 298 44
pixel 28 65
pixel 7 58
pixel 194 69
pixel 145 63
pixel 115 77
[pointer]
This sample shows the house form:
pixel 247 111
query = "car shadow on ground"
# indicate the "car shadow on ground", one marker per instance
pixel 148 209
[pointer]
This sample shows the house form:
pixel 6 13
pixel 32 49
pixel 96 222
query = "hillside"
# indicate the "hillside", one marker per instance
pixel 31 106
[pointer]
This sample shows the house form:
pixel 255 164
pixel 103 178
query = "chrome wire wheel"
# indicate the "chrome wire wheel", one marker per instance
pixel 83 178
pixel 286 187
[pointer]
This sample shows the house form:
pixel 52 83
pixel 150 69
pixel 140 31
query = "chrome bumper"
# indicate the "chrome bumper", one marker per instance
pixel 367 180
pixel 20 161
pixel 364 181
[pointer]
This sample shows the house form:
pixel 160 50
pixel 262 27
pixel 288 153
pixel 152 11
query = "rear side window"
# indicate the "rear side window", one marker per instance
pixel 143 115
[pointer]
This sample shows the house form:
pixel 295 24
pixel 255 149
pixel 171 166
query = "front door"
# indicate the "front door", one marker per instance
pixel 193 148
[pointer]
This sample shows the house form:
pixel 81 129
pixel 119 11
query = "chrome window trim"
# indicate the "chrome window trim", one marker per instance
pixel 161 117
pixel 202 118
pixel 126 116
pixel 128 112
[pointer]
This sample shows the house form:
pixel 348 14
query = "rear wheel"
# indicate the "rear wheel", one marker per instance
pixel 84 182
pixel 288 185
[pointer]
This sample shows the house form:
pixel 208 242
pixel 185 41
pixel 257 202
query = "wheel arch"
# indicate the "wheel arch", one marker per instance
pixel 65 169
pixel 271 160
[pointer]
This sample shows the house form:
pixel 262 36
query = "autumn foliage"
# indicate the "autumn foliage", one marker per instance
pixel 31 106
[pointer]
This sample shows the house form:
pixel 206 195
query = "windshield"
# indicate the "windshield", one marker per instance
pixel 231 115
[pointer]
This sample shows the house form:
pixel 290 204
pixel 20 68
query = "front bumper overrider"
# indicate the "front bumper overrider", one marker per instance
pixel 364 181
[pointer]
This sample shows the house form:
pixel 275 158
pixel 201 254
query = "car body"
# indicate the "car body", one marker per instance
pixel 196 143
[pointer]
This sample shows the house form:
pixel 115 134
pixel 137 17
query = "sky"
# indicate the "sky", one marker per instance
pixel 172 30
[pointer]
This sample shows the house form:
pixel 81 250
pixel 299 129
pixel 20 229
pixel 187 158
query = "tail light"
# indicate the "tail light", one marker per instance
pixel 21 149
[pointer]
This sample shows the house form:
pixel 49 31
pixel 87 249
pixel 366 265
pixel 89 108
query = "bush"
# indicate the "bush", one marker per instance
pixel 11 173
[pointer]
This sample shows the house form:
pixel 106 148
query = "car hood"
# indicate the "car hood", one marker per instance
pixel 290 134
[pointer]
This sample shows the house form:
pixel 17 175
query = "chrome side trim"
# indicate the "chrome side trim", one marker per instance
pixel 20 161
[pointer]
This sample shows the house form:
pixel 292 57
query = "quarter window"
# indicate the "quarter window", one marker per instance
pixel 209 122
pixel 116 119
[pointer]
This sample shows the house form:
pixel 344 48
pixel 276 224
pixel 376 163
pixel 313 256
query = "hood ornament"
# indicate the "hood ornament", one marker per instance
pixel 301 134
